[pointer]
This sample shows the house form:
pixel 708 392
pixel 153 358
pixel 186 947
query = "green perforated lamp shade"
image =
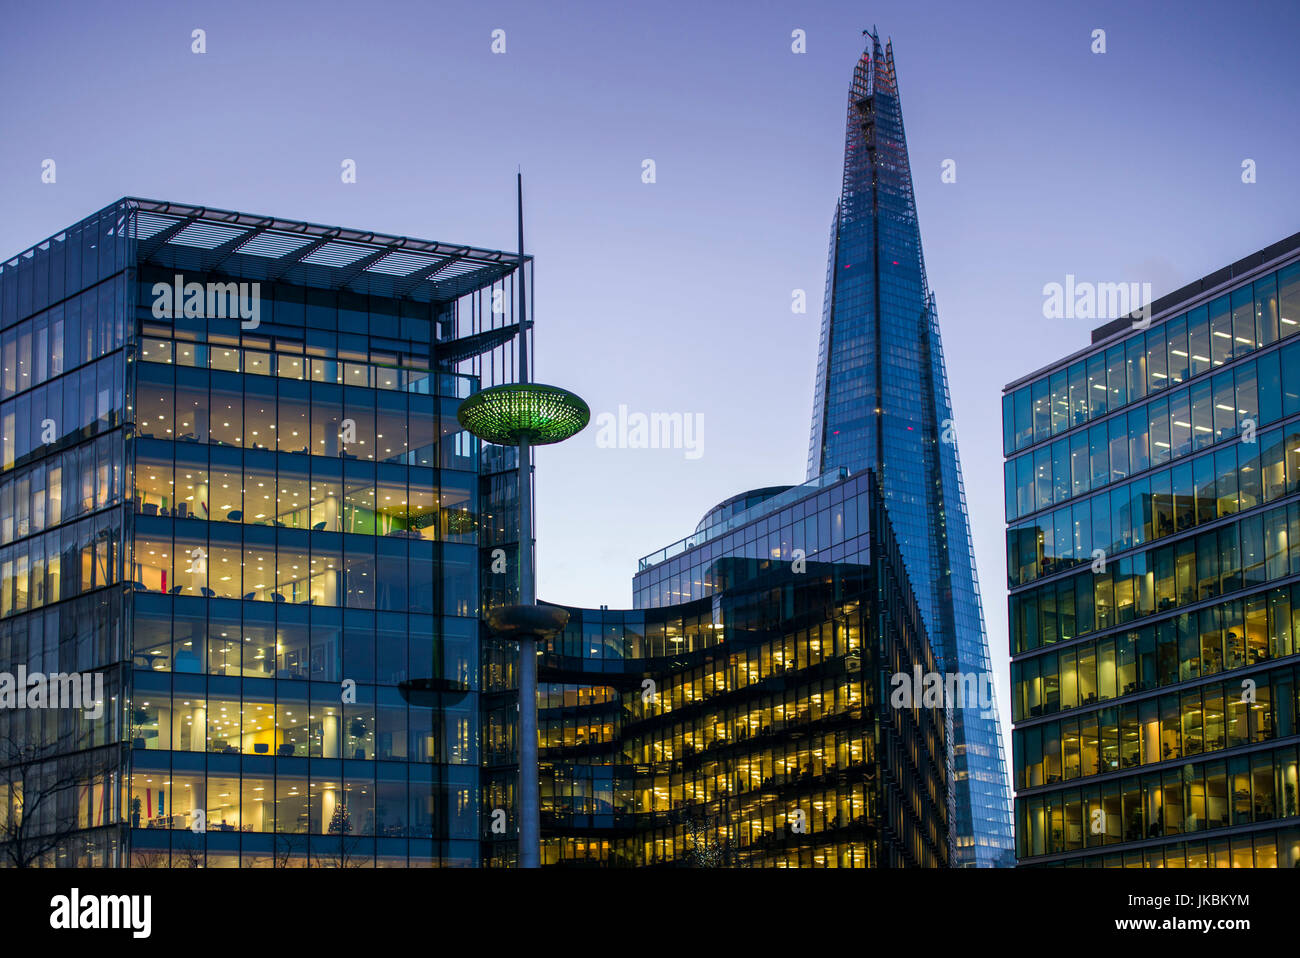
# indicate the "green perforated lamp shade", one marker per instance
pixel 542 414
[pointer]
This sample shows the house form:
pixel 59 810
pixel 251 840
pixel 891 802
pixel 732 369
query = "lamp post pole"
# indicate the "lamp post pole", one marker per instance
pixel 529 788
pixel 529 797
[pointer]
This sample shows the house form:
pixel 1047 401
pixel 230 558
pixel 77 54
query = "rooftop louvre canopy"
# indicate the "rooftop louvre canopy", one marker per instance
pixel 269 249
pixel 266 248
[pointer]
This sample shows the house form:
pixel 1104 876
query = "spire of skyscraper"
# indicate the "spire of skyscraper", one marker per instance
pixel 882 403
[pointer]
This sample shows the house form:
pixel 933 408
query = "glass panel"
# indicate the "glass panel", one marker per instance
pixel 293 494
pixel 1023 418
pixel 1225 409
pixel 1179 365
pixel 227 410
pixel 1198 340
pixel 1042 412
pixel 1098 454
pixel 1160 439
pixel 1288 293
pixel 1060 399
pixel 154 401
pixel 1243 322
pixel 1157 359
pixel 390 428
pixel 1266 323
pixel 1202 414
pixel 1180 423
pixel 259 415
pixel 1097 394
pixel 1220 331
pixel 1247 395
pixel 1078 395
pixel 1136 367
pixel 1139 445
pixel 326 490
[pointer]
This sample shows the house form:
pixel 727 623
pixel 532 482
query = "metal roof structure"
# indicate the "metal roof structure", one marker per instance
pixel 205 239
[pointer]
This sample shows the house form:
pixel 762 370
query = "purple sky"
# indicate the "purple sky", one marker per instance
pixel 675 296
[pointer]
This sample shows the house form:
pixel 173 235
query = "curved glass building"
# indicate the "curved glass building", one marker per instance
pixel 751 727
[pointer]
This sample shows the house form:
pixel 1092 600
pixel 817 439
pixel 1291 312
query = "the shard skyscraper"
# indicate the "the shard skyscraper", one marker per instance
pixel 882 403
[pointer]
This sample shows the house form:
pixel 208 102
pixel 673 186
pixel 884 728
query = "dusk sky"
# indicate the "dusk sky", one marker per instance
pixel 675 296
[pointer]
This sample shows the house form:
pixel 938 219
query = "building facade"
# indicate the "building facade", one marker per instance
pixel 882 403
pixel 1153 559
pixel 751 727
pixel 234 488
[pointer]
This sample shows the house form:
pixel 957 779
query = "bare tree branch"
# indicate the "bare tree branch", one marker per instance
pixel 36 816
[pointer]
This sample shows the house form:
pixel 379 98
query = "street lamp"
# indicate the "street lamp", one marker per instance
pixel 525 414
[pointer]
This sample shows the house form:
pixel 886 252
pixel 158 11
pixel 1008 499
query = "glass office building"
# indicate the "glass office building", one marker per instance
pixel 882 403
pixel 235 488
pixel 750 727
pixel 1153 558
